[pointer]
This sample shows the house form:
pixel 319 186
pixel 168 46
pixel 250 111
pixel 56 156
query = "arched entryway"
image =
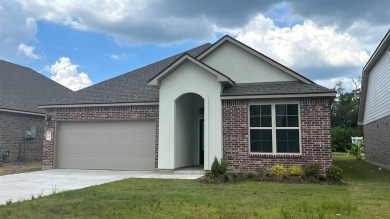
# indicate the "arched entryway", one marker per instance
pixel 189 130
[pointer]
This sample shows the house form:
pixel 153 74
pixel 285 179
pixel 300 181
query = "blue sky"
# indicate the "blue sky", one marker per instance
pixel 80 44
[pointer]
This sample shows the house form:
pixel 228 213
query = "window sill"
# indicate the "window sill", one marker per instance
pixel 275 155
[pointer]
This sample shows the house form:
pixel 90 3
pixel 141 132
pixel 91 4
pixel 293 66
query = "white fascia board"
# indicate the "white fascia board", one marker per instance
pixel 277 96
pixel 97 105
pixel 22 112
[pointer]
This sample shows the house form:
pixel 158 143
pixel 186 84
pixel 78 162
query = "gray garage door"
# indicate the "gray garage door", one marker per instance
pixel 110 145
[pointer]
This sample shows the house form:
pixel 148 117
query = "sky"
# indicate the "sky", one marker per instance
pixel 81 43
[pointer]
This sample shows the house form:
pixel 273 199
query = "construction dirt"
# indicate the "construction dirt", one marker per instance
pixel 12 168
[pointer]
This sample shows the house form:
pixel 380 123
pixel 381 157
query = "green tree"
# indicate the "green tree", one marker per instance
pixel 345 108
pixel 344 115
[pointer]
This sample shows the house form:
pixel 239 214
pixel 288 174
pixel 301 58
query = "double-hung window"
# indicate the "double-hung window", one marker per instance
pixel 274 128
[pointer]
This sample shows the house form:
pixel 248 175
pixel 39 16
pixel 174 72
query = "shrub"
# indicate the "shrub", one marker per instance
pixel 334 172
pixel 278 170
pixel 261 173
pixel 321 177
pixel 296 171
pixel 218 167
pixel 224 166
pixel 215 168
pixel 312 169
pixel 357 150
pixel 226 177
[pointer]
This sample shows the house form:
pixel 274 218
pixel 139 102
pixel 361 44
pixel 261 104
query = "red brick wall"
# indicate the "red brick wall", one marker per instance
pixel 315 136
pixel 94 113
pixel 12 130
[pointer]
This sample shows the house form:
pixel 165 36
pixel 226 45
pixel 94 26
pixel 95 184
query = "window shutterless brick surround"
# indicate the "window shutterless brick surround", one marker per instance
pixel 95 113
pixel 12 130
pixel 315 137
pixel 377 140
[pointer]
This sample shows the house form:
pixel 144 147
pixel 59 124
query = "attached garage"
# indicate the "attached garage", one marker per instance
pixel 109 145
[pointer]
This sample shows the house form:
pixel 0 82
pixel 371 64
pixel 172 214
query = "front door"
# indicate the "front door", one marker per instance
pixel 201 141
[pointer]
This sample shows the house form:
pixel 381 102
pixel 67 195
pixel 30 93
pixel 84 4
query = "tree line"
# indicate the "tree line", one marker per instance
pixel 344 116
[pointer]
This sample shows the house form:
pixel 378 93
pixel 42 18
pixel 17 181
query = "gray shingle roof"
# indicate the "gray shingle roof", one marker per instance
pixel 23 89
pixel 274 88
pixel 131 87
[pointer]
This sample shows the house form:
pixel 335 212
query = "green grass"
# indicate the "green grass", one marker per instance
pixel 365 194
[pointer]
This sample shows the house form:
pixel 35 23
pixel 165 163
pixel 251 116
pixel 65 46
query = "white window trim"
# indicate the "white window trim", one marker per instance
pixel 274 128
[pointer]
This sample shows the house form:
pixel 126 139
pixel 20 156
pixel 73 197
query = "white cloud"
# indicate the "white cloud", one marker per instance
pixel 16 28
pixel 27 51
pixel 66 73
pixel 347 83
pixel 303 44
pixel 317 51
pixel 116 57
pixel 120 56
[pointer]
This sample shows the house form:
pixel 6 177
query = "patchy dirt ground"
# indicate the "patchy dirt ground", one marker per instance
pixel 12 168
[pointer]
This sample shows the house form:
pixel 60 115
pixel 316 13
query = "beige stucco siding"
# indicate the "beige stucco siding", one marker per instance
pixel 189 78
pixel 243 67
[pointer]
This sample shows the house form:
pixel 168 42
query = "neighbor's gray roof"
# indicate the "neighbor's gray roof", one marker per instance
pixel 23 89
pixel 131 87
pixel 274 88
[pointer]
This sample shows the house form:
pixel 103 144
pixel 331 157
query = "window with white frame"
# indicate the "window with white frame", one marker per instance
pixel 274 128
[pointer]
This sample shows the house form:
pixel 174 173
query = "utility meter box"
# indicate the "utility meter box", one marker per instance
pixel 31 132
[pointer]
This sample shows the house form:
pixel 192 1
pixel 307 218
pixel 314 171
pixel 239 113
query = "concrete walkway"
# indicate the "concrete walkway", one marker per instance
pixel 24 186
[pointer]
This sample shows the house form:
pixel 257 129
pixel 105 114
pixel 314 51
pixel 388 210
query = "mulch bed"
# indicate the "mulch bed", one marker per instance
pixel 232 177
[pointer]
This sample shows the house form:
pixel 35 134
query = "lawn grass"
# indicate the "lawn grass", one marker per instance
pixel 365 194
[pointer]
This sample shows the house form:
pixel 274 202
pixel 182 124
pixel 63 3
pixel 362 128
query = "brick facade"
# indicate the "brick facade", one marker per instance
pixel 12 130
pixel 315 136
pixel 315 132
pixel 377 140
pixel 95 113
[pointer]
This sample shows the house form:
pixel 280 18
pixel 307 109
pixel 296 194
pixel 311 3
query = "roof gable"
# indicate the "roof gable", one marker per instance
pixel 290 75
pixel 156 81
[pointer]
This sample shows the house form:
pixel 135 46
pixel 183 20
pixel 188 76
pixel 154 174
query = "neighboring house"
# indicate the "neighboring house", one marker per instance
pixel 21 91
pixel 374 109
pixel 221 100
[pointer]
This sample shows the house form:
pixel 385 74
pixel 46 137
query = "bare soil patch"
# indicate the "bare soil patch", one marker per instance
pixel 12 168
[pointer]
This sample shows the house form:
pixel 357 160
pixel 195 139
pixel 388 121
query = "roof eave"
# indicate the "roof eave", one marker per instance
pixel 382 47
pixel 96 105
pixel 269 96
pixel 22 112
pixel 156 81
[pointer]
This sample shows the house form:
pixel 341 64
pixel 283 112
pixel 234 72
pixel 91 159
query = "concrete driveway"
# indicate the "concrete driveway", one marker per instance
pixel 24 186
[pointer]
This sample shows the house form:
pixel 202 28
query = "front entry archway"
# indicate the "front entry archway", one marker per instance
pixel 189 130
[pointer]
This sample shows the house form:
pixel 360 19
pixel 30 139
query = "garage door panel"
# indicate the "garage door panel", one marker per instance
pixel 107 164
pixel 122 145
pixel 97 150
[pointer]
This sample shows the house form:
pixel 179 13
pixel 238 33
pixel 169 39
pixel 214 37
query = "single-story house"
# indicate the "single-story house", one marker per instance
pixel 374 108
pixel 21 122
pixel 216 100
